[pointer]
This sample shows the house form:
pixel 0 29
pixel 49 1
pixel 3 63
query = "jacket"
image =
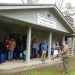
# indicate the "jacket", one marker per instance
pixel 44 47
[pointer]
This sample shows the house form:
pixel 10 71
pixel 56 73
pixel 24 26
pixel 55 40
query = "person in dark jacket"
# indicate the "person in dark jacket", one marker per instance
pixel 1 53
pixel 19 47
pixel 40 51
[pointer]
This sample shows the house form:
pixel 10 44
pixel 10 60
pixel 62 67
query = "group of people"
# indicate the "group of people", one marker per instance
pixel 11 48
pixel 7 48
pixel 56 51
pixel 42 51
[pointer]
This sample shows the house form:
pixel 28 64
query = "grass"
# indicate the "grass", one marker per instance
pixel 50 70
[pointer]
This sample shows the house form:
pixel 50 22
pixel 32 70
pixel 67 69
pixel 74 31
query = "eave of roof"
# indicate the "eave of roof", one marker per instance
pixel 25 6
pixel 20 4
pixel 5 6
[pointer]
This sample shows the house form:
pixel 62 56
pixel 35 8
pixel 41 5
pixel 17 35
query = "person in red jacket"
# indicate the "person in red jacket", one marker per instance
pixel 6 46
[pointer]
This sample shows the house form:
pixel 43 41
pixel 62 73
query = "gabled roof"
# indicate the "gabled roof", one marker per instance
pixel 36 6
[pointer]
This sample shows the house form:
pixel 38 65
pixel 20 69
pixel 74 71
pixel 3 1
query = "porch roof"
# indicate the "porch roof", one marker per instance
pixel 37 6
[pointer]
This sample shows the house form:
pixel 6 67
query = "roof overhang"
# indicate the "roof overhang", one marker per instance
pixel 36 6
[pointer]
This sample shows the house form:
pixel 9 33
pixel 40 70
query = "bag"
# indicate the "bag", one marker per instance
pixel 24 55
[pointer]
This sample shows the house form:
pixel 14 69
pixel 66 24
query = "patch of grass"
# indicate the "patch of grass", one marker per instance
pixel 50 70
pixel 70 73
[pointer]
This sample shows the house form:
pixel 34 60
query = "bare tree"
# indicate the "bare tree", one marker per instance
pixel 59 3
pixel 32 1
pixel 22 1
pixel 68 7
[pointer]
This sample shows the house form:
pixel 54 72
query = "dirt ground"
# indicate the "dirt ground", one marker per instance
pixel 49 70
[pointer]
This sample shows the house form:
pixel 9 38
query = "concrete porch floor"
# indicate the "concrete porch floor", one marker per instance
pixel 15 64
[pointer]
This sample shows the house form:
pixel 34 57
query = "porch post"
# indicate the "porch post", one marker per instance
pixel 49 45
pixel 28 45
pixel 72 46
pixel 63 39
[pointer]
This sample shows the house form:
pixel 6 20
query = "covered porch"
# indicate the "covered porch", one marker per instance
pixel 13 26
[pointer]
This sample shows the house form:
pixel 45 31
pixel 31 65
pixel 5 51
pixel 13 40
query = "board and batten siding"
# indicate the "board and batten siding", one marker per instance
pixel 23 15
pixel 31 16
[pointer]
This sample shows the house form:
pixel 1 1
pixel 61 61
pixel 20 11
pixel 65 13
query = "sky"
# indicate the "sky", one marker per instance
pixel 40 1
pixel 43 1
pixel 71 1
pixel 10 1
pixel 58 2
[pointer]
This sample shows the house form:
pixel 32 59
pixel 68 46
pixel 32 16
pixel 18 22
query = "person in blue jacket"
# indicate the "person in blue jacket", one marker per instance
pixel 44 48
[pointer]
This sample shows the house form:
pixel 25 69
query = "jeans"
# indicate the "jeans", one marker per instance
pixel 10 55
pixel 52 51
pixel 65 64
pixel 1 57
pixel 17 54
pixel 7 55
pixel 4 57
pixel 34 52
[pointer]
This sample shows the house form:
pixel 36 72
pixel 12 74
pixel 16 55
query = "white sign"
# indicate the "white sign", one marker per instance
pixel 42 20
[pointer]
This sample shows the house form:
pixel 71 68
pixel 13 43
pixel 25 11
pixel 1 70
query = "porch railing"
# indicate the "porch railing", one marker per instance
pixel 71 51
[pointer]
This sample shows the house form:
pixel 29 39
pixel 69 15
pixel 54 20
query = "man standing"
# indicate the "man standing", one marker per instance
pixel 19 47
pixel 44 48
pixel 64 54
pixel 12 46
